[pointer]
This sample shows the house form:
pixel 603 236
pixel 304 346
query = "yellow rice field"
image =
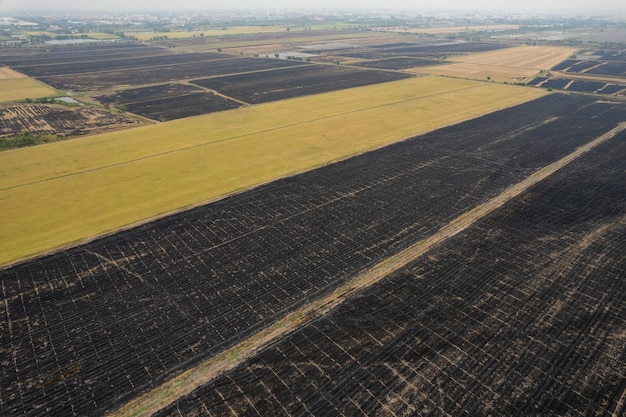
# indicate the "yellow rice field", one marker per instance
pixel 7 73
pixel 15 86
pixel 62 193
pixel 510 64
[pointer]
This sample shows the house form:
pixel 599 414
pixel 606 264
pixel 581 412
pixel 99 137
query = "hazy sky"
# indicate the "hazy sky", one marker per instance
pixel 213 4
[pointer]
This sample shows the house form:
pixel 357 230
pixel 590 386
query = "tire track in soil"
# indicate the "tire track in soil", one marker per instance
pixel 164 395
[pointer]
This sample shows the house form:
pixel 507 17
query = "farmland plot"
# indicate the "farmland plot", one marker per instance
pixel 59 120
pixel 398 63
pixel 15 86
pixel 510 64
pixel 89 328
pixel 108 63
pixel 586 86
pixel 611 68
pixel 178 107
pixel 546 82
pixel 523 314
pixel 425 50
pixel 171 72
pixel 77 53
pixel 616 54
pixel 295 82
pixel 454 48
pixel 598 87
pixel 602 62
pixel 616 69
pixel 573 65
pixel 155 92
pixel 77 189
pixel 169 101
pixel 263 42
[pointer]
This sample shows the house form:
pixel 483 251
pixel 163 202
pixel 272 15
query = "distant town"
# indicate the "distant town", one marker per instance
pixel 29 28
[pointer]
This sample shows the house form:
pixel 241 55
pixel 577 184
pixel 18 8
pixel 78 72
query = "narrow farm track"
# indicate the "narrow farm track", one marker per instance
pixel 188 381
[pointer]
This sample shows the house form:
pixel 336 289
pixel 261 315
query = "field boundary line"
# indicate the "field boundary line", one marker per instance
pixel 183 384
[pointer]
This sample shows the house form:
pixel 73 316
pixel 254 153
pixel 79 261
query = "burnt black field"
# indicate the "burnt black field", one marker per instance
pixel 173 101
pixel 155 92
pixel 111 63
pixel 521 315
pixel 77 53
pixel 398 63
pixel 602 62
pixel 595 87
pixel 87 329
pixel 295 82
pixel 169 101
pixel 160 84
pixel 155 82
pixel 424 50
pixel 178 107
pixel 164 73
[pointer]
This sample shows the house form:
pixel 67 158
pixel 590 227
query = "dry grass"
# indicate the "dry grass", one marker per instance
pixel 58 194
pixel 510 65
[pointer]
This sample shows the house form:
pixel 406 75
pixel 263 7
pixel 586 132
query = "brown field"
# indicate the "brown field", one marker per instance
pixel 510 65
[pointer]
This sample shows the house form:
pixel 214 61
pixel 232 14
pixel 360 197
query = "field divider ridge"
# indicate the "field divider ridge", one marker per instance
pixel 183 384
